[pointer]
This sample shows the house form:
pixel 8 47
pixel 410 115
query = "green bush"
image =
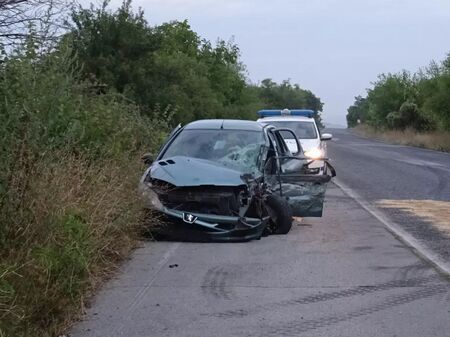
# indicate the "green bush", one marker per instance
pixel 170 65
pixel 398 101
pixel 69 165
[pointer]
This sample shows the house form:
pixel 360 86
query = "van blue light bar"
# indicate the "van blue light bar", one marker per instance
pixel 285 112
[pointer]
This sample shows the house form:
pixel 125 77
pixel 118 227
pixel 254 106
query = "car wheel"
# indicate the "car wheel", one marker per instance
pixel 280 214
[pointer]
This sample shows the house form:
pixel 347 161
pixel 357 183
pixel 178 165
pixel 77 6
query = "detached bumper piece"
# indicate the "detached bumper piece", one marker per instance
pixel 199 227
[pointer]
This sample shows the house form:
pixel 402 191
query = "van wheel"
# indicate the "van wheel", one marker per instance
pixel 280 214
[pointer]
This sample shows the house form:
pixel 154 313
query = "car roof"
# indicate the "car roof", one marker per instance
pixel 224 124
pixel 286 118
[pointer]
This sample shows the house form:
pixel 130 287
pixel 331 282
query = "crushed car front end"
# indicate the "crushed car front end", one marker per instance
pixel 196 209
pixel 228 180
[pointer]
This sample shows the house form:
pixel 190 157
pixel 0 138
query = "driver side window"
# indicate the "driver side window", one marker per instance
pixel 281 145
pixel 287 165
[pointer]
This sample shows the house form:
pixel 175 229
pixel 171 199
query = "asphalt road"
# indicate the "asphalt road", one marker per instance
pixel 340 275
pixel 378 171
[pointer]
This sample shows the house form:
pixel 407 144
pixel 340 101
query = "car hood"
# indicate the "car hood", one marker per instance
pixel 307 144
pixel 187 171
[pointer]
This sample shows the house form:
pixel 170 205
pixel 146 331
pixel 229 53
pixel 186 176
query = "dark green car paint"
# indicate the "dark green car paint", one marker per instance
pixel 186 171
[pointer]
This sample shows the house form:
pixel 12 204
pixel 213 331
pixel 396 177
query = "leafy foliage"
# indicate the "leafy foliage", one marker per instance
pixel 357 113
pixel 171 66
pixel 290 96
pixel 397 101
pixel 67 200
pixel 168 65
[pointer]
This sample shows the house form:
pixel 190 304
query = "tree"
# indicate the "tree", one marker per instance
pixel 357 113
pixel 437 100
pixel 404 100
pixel 169 65
pixel 290 96
pixel 388 95
pixel 21 18
pixel 435 94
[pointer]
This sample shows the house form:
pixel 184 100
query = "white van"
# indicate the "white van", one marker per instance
pixel 306 130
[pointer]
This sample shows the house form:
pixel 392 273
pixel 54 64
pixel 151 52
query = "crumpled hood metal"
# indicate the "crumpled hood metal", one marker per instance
pixel 187 171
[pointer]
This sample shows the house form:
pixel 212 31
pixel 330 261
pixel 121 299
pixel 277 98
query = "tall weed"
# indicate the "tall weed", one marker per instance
pixel 435 140
pixel 69 165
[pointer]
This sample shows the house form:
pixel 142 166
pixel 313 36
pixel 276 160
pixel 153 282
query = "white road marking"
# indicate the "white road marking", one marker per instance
pixel 423 163
pixel 419 248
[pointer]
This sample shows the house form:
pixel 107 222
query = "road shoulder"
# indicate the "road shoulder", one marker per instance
pixel 418 246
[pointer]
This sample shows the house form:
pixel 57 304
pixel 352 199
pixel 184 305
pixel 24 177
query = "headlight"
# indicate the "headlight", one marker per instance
pixel 149 196
pixel 314 153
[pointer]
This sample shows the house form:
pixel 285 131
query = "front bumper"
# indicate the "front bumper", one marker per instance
pixel 210 227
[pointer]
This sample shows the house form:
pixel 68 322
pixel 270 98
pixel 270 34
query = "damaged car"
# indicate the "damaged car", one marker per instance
pixel 231 180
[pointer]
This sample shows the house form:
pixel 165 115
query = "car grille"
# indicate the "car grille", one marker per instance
pixel 208 200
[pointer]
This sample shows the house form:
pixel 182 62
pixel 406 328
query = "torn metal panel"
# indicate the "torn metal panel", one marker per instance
pixel 309 201
pixel 305 194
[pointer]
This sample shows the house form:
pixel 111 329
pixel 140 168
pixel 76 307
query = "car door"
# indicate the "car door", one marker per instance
pixel 304 192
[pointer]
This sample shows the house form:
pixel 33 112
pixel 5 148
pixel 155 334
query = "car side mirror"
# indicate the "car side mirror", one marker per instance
pixel 147 158
pixel 326 136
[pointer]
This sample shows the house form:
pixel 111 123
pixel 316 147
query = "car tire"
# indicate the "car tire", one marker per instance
pixel 280 213
pixel 325 168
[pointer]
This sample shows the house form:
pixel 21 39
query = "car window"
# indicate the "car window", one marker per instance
pixel 303 130
pixel 281 144
pixel 235 149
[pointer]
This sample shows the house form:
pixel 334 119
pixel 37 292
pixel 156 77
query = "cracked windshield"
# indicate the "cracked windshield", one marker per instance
pixel 234 149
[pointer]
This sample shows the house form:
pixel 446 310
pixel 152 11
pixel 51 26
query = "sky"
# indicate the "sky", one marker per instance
pixel 333 48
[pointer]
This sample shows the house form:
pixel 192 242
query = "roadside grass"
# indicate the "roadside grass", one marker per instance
pixel 435 140
pixel 82 219
pixel 69 169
